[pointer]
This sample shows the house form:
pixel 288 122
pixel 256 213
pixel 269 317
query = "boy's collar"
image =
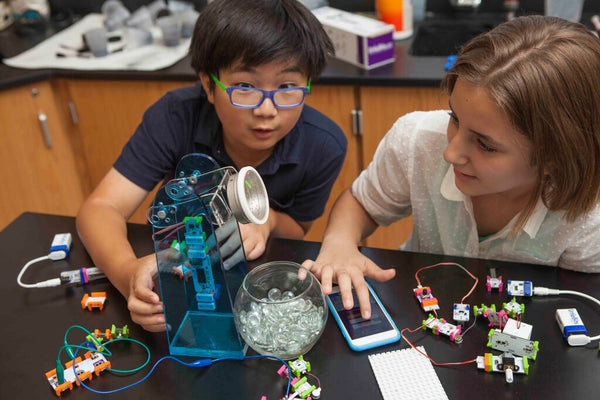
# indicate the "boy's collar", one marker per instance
pixel 450 192
pixel 208 124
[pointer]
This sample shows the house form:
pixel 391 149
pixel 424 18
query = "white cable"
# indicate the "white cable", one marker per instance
pixel 574 340
pixel 25 285
pixel 544 291
pixel 54 255
pixel 595 300
pixel 49 283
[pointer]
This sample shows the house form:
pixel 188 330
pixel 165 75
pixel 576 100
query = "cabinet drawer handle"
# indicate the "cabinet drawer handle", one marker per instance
pixel 74 115
pixel 45 130
pixel 357 125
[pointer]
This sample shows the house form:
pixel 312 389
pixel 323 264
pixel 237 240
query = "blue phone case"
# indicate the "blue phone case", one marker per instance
pixel 370 345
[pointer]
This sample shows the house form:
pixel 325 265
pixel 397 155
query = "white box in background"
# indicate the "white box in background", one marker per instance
pixel 359 40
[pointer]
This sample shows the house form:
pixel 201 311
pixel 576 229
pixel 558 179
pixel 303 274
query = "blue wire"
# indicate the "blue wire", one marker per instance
pixel 467 330
pixel 141 380
pixel 194 364
pixel 287 392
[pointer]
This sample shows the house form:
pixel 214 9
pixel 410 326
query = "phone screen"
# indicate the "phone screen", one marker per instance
pixel 357 326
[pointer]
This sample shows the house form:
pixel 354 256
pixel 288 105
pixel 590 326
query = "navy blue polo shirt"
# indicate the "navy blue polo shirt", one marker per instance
pixel 298 175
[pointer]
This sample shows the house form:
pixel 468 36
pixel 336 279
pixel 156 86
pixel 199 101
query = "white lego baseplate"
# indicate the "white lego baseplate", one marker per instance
pixel 406 375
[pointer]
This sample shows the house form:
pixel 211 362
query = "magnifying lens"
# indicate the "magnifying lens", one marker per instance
pixel 247 196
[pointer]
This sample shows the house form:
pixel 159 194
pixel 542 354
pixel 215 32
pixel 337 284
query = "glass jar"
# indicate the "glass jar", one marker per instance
pixel 278 314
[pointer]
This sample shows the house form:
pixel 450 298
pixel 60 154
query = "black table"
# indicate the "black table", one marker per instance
pixel 35 320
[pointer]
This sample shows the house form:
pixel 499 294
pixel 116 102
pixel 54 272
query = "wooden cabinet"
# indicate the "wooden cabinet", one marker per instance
pixel 337 102
pixel 38 164
pixel 108 113
pixel 381 106
pixel 90 121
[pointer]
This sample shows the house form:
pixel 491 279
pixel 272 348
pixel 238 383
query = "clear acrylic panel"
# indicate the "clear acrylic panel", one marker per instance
pixel 200 260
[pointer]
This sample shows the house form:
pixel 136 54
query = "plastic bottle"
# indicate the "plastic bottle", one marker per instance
pixel 398 13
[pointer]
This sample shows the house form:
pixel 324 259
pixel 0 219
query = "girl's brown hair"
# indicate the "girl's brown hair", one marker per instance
pixel 544 72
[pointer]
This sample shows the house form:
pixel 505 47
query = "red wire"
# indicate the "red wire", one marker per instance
pixel 178 225
pixel 174 231
pixel 425 355
pixel 434 311
pixel 314 376
pixel 450 264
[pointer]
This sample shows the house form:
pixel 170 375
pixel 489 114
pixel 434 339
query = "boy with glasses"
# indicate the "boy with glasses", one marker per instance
pixel 255 60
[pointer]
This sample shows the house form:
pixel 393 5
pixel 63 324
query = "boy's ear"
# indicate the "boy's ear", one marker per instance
pixel 205 81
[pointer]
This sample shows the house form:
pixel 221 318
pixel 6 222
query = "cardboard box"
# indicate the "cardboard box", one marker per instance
pixel 359 40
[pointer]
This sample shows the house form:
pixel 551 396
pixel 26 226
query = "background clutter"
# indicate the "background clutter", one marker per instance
pixel 151 37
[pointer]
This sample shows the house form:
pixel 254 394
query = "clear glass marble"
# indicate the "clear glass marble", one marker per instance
pixel 278 314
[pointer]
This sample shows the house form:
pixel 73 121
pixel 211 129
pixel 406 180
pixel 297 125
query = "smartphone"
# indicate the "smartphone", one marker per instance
pixel 362 334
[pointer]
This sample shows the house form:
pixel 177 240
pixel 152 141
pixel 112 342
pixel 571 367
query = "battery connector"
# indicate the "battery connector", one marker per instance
pixel 59 250
pixel 578 340
pixel 568 320
pixel 57 255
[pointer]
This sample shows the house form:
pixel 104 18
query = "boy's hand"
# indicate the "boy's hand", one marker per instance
pixel 347 266
pixel 254 238
pixel 230 245
pixel 143 303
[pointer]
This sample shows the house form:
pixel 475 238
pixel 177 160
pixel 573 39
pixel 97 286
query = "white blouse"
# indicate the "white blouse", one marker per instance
pixel 408 176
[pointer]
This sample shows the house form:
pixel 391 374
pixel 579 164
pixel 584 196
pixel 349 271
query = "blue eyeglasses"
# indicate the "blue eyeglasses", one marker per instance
pixel 248 97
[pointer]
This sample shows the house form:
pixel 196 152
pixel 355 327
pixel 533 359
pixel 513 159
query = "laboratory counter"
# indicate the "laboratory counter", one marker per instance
pixel 34 322
pixel 407 70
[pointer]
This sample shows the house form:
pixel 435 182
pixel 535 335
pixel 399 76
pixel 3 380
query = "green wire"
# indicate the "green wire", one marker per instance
pixel 108 353
pixel 68 346
pixel 105 352
pixel 134 369
pixel 74 346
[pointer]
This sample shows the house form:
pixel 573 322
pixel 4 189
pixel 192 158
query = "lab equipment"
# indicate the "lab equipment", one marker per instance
pixel 188 216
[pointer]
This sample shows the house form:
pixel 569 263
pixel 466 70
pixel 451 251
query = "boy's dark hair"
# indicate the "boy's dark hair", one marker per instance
pixel 256 32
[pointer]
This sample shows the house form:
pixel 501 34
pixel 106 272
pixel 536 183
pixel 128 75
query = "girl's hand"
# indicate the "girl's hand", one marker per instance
pixel 347 266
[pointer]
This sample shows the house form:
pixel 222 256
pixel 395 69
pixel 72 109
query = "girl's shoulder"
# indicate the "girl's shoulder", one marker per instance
pixel 590 220
pixel 420 128
pixel 420 121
